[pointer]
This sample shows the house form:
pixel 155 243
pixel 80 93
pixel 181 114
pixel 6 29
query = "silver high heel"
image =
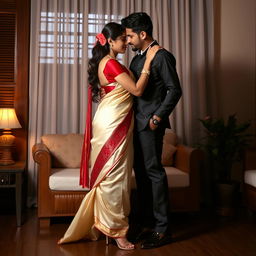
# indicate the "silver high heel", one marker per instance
pixel 108 241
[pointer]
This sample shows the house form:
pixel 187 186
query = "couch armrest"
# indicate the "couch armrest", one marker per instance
pixel 190 160
pixel 249 159
pixel 38 151
pixel 42 156
pixel 186 158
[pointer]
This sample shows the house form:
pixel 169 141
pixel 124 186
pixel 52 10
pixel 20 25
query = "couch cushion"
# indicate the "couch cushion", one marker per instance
pixel 68 179
pixel 250 177
pixel 176 178
pixel 66 149
pixel 167 154
pixel 170 137
pixel 65 179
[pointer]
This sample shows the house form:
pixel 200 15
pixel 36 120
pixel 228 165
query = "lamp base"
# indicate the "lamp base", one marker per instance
pixel 6 143
pixel 4 163
pixel 6 156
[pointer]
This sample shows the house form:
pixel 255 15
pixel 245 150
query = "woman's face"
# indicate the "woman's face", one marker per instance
pixel 119 45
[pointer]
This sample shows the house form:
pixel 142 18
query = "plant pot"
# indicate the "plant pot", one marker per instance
pixel 226 198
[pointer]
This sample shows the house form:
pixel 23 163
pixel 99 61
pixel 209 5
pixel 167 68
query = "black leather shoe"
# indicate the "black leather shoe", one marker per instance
pixel 142 235
pixel 156 240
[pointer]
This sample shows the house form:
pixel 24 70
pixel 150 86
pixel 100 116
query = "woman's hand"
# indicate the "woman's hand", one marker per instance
pixel 152 52
pixel 102 93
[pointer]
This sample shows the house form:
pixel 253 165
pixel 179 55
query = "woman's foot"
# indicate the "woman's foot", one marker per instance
pixel 124 244
pixel 59 242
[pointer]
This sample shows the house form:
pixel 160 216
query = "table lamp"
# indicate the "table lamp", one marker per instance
pixel 8 121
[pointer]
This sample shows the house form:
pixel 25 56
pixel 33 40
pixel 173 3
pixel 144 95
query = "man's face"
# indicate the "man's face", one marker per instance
pixel 133 39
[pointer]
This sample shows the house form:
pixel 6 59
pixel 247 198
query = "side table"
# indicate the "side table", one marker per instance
pixel 6 174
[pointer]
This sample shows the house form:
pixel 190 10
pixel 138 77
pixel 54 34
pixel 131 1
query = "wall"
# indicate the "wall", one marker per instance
pixel 14 63
pixel 236 60
pixel 235 66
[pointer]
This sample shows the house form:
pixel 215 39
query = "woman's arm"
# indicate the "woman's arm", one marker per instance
pixel 131 75
pixel 128 83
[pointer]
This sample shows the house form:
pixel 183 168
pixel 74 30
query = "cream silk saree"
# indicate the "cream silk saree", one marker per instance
pixel 106 207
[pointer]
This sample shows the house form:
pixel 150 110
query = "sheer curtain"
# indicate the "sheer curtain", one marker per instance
pixel 58 72
pixel 192 42
pixel 62 35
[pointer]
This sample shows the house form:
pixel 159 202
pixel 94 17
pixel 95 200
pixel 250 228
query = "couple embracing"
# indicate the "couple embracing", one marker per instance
pixel 127 132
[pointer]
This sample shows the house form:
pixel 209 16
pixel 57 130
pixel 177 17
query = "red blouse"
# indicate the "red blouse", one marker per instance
pixel 112 69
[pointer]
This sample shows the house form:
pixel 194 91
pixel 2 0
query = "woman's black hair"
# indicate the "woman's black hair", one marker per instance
pixel 111 30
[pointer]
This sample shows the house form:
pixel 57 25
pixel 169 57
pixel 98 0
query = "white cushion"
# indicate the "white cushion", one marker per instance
pixel 65 179
pixel 68 179
pixel 175 178
pixel 250 177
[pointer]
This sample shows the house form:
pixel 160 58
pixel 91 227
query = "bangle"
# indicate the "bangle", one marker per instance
pixel 144 71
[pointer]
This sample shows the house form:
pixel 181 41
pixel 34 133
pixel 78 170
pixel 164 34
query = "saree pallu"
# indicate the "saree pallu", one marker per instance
pixel 106 207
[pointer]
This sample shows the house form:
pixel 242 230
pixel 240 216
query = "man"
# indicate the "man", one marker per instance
pixel 152 112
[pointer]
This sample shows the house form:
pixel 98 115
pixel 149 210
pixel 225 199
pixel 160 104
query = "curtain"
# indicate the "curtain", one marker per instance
pixel 192 42
pixel 58 73
pixel 62 35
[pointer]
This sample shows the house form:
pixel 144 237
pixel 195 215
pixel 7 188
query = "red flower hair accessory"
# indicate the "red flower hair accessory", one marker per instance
pixel 101 38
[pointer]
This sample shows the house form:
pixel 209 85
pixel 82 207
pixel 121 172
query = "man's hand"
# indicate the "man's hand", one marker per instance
pixel 153 126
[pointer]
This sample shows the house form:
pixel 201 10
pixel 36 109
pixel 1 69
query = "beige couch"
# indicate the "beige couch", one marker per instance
pixel 59 193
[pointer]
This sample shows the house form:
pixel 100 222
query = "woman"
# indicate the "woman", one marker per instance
pixel 106 207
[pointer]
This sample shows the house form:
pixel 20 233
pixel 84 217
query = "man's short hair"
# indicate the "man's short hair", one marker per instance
pixel 138 21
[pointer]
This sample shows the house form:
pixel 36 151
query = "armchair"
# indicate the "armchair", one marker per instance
pixel 59 193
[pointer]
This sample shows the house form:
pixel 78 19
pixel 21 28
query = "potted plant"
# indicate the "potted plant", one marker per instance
pixel 224 143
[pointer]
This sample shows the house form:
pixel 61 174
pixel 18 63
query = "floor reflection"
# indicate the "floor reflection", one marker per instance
pixel 93 248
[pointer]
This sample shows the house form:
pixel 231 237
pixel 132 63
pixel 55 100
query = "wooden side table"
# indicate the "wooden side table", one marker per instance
pixel 11 176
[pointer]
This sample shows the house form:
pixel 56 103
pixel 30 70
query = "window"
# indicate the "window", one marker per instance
pixel 61 35
pixel 95 23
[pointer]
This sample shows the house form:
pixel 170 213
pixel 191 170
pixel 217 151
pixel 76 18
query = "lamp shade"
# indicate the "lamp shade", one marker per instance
pixel 8 119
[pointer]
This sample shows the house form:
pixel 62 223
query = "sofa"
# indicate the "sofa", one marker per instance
pixel 249 188
pixel 59 194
